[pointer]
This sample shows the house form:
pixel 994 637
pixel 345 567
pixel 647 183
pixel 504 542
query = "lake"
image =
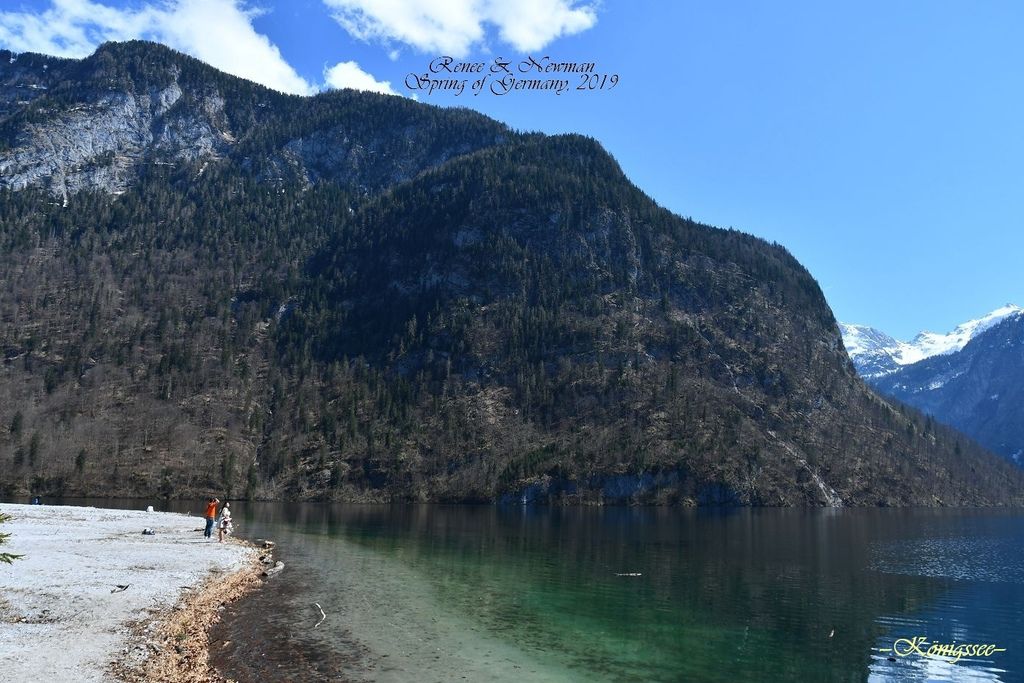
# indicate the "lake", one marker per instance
pixel 453 593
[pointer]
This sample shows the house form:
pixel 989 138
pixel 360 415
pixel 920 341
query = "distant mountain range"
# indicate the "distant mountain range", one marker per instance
pixel 875 354
pixel 971 378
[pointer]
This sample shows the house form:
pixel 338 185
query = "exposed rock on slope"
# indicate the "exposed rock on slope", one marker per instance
pixel 93 124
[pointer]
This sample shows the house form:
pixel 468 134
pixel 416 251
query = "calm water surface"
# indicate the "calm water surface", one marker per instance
pixel 453 593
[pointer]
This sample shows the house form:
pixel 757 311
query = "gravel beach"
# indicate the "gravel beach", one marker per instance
pixel 63 616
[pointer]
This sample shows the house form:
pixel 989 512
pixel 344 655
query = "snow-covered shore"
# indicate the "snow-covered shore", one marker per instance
pixel 63 616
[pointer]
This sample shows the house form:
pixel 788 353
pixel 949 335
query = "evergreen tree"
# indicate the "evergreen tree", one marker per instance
pixel 7 558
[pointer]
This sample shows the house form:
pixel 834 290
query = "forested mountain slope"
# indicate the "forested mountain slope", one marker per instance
pixel 207 285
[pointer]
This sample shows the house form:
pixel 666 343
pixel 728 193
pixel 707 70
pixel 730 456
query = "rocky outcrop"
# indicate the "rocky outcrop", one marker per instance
pixel 100 145
pixel 339 155
pixel 70 125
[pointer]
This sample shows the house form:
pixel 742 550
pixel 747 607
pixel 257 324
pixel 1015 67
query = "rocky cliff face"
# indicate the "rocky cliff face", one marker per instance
pixel 70 126
pixel 100 141
pixel 100 145
pixel 212 286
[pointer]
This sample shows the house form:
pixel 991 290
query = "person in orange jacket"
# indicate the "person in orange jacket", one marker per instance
pixel 211 516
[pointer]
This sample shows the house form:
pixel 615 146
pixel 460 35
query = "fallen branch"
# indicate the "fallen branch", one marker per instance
pixel 323 615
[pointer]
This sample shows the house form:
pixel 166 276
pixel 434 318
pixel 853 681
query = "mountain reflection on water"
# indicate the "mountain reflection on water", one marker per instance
pixel 451 593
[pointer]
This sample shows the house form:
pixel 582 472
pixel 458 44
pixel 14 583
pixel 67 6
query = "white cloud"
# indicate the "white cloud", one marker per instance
pixel 219 32
pixel 70 28
pixel 455 26
pixel 531 24
pixel 350 75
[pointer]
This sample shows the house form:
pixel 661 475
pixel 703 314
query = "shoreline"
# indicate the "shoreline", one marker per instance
pixel 181 644
pixel 94 599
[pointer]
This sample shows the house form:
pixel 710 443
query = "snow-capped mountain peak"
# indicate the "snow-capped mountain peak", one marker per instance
pixel 860 339
pixel 877 354
pixel 932 344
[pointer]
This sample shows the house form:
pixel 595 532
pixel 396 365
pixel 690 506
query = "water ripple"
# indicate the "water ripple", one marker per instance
pixel 996 560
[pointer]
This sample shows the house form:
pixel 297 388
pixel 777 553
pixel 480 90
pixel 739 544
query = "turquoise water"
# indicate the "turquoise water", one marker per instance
pixel 451 593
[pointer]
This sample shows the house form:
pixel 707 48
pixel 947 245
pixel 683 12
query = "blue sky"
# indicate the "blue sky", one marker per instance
pixel 881 142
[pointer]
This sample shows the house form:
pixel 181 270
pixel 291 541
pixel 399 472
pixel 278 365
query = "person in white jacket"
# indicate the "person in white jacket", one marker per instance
pixel 225 527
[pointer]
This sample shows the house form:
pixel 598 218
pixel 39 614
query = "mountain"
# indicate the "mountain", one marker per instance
pixel 975 383
pixel 210 286
pixel 876 354
pixel 873 352
pixel 105 122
